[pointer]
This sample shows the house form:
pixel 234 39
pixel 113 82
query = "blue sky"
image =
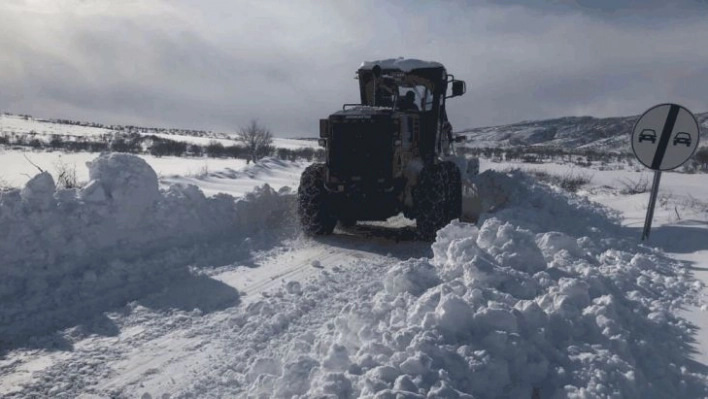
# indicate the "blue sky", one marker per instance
pixel 216 64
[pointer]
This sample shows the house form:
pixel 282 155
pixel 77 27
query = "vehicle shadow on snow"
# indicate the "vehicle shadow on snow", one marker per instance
pixel 54 342
pixel 188 292
pixel 156 284
pixel 61 339
pixel 174 278
pixel 398 242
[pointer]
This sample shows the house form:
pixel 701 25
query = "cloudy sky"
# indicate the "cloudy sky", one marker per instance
pixel 216 64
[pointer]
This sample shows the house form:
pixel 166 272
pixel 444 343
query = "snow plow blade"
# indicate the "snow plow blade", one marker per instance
pixel 481 193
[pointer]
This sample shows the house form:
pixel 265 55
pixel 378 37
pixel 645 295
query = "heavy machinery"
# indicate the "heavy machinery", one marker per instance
pixel 389 154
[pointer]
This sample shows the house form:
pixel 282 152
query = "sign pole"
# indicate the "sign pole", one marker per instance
pixel 663 138
pixel 652 202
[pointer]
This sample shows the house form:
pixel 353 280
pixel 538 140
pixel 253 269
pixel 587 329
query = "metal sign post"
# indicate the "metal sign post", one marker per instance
pixel 650 208
pixel 664 138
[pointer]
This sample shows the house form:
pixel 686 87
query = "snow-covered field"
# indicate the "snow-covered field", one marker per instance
pixel 213 175
pixel 278 142
pixel 43 130
pixel 17 166
pixel 678 184
pixel 123 290
pixel 14 124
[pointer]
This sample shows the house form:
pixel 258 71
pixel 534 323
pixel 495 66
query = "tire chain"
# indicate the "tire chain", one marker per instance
pixel 313 207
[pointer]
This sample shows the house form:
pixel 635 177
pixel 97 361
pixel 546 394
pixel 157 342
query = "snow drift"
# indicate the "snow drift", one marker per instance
pixel 546 295
pixel 68 252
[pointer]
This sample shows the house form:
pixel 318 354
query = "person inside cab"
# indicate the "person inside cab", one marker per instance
pixel 383 93
pixel 407 102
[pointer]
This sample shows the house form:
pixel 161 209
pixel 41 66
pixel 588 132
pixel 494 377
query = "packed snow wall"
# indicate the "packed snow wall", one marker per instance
pixel 546 295
pixel 65 253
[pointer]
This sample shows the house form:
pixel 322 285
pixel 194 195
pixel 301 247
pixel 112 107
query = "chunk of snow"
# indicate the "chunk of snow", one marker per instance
pixel 293 287
pixel 413 276
pixel 39 191
pixel 337 358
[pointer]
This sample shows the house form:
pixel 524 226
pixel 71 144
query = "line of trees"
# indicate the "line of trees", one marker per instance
pixel 582 157
pixel 122 128
pixel 255 142
pixel 544 154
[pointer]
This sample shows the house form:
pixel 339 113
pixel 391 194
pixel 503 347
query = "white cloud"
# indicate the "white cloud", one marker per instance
pixel 217 64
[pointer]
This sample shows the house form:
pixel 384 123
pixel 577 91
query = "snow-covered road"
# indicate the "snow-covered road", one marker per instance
pixel 551 293
pixel 278 294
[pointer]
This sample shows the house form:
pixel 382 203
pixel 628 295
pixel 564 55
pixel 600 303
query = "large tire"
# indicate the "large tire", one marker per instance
pixel 315 202
pixel 438 198
pixel 430 202
pixel 454 190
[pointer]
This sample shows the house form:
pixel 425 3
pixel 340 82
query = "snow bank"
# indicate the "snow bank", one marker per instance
pixel 544 295
pixel 67 251
pixel 517 198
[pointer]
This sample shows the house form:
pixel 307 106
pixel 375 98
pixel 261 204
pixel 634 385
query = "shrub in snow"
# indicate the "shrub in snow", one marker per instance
pixel 569 182
pixel 631 187
pixel 69 252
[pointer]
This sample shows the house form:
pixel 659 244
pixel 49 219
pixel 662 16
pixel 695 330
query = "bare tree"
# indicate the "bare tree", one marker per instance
pixel 66 175
pixel 256 139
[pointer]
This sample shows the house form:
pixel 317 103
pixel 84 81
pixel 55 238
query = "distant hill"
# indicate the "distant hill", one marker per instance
pixel 584 132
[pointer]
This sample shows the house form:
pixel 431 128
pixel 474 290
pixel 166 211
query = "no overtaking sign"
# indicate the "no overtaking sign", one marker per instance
pixel 664 138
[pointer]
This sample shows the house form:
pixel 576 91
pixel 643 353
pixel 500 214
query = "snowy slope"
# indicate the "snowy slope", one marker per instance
pixel 10 124
pixel 567 133
pixel 217 297
pixel 43 129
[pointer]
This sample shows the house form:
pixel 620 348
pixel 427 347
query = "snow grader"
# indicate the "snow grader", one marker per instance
pixel 392 153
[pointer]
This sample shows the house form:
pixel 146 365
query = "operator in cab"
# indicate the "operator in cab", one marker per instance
pixel 407 102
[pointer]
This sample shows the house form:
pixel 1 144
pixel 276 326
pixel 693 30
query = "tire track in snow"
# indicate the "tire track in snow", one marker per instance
pixel 274 327
pixel 148 340
pixel 163 351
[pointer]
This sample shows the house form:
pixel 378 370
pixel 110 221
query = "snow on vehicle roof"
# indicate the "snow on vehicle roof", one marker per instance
pixel 363 109
pixel 404 64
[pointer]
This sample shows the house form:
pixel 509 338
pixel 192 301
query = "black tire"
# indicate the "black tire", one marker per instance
pixel 347 222
pixel 454 190
pixel 438 198
pixel 430 193
pixel 315 202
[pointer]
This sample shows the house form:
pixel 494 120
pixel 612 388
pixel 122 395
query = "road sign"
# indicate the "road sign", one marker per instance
pixel 665 137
